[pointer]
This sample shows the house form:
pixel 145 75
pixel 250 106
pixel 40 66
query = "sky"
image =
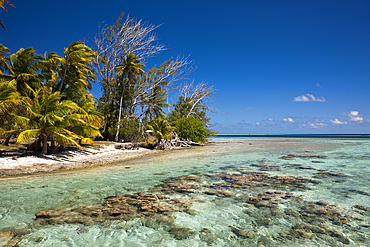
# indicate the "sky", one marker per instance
pixel 279 67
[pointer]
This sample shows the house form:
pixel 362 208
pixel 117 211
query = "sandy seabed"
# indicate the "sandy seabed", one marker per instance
pixel 18 165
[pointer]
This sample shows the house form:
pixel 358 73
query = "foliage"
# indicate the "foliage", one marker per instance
pixel 46 97
pixel 191 120
pixel 48 117
pixel 3 6
pixel 129 92
pixel 130 131
pixel 183 107
pixel 75 67
pixel 192 128
pixel 24 72
pixel 161 129
pixel 127 74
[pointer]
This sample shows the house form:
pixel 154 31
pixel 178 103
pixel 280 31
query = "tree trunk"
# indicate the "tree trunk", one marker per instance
pixel 36 145
pixel 53 148
pixel 64 76
pixel 119 116
pixel 44 144
pixel 6 141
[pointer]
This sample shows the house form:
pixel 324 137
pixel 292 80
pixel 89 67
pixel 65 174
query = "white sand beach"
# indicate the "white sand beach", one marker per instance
pixel 14 165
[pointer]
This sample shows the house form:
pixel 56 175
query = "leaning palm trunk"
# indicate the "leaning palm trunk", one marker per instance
pixel 6 141
pixel 64 76
pixel 119 116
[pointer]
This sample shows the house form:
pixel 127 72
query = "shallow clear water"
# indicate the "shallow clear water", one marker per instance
pixel 341 179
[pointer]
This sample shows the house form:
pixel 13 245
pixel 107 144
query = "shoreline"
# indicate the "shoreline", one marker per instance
pixel 14 166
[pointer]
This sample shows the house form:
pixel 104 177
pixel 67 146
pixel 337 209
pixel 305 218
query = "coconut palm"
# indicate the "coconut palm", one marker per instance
pixel 76 66
pixel 155 100
pixel 161 130
pixel 87 120
pixel 128 72
pixel 24 72
pixel 4 66
pixel 48 117
pixel 11 104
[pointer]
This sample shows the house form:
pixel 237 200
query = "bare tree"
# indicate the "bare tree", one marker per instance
pixel 166 76
pixel 114 43
pixel 194 94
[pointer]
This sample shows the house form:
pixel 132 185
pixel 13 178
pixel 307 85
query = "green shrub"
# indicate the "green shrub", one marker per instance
pixel 192 128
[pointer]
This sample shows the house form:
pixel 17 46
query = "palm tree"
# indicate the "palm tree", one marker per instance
pixel 161 130
pixel 2 5
pixel 48 117
pixel 154 102
pixel 87 120
pixel 11 104
pixel 24 72
pixel 4 66
pixel 128 71
pixel 76 66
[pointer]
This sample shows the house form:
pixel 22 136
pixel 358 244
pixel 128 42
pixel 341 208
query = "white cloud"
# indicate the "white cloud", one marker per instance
pixel 353 116
pixel 314 125
pixel 272 119
pixel 338 122
pixel 317 125
pixel 318 85
pixel 248 108
pixel 288 120
pixel 308 98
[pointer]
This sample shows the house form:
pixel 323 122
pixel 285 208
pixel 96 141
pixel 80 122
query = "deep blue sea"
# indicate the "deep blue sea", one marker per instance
pixel 240 190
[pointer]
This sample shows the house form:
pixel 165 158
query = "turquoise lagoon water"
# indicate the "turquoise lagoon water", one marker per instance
pixel 340 181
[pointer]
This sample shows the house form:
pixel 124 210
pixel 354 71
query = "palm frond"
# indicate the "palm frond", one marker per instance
pixel 25 135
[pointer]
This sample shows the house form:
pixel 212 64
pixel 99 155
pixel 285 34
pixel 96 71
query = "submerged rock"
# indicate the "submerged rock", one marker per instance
pixel 361 207
pixel 260 179
pixel 265 207
pixel 264 167
pixel 180 232
pixel 245 233
pixel 329 174
pixel 220 193
pixel 116 207
pixel 8 238
pixel 206 235
pixel 292 156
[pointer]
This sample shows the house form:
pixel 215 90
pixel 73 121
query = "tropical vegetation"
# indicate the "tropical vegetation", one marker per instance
pixel 45 100
pixel 3 6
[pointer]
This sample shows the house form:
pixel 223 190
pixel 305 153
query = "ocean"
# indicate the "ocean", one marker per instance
pixel 239 190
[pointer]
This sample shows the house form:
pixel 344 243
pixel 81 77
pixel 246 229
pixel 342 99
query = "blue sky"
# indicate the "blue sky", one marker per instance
pixel 278 66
